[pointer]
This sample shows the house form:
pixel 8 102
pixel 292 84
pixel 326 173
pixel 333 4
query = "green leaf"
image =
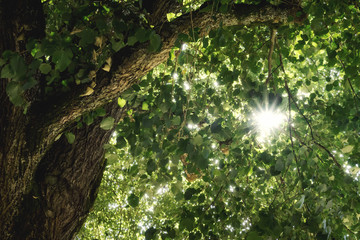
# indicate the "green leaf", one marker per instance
pixel 100 112
pixel 62 59
pixel 176 121
pixel 7 72
pixel 142 35
pixel 279 166
pixel 253 236
pixel 14 90
pixel 70 137
pixel 87 37
pixel 187 222
pixel 150 234
pixel 155 42
pixel 17 64
pixel 170 16
pixel 216 126
pixel 45 68
pixel 133 200
pixel 120 142
pixel 347 149
pixel 121 102
pixel 198 140
pixel 189 193
pixel 111 158
pixel 88 119
pixel 31 82
pixel 202 162
pixel 117 45
pixel 107 123
pixel 132 40
pixel 145 106
pixel 151 166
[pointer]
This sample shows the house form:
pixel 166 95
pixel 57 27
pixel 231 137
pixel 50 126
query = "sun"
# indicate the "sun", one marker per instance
pixel 266 121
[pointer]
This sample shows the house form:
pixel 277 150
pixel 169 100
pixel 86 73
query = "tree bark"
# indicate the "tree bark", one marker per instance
pixel 47 186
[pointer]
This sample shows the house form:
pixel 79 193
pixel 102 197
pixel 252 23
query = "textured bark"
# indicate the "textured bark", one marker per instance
pixel 65 184
pixel 46 186
pixel 18 20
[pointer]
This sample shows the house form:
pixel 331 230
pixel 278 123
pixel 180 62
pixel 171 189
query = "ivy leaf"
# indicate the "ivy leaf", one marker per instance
pixel 202 162
pixel 176 121
pixel 45 68
pixel 7 72
pixel 142 35
pixel 87 37
pixel 117 45
pixel 155 42
pixel 62 59
pixel 14 91
pixel 150 234
pixel 31 82
pixel 17 64
pixel 100 112
pixel 70 137
pixel 198 140
pixel 107 123
pixel 187 222
pixel 121 102
pixel 132 40
pixel 347 149
pixel 133 200
pixel 145 106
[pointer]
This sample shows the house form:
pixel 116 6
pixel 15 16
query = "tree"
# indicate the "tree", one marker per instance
pixel 65 64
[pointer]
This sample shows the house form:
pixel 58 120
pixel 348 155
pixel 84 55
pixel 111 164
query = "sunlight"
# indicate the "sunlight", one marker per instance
pixel 266 121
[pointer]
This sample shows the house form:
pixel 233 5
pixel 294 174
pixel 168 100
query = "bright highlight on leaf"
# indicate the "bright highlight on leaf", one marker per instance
pixel 121 102
pixel 70 137
pixel 266 121
pixel 107 123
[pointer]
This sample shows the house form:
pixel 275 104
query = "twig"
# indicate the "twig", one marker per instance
pixel 290 131
pixel 272 45
pixel 272 73
pixel 305 118
pixel 330 154
pixel 349 229
pixel 351 86
pixel 297 107
pixel 217 195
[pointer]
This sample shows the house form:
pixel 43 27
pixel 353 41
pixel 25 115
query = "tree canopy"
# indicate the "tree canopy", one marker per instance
pixel 227 119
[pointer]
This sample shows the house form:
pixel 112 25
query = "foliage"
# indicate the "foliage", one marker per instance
pixel 186 162
pixel 189 165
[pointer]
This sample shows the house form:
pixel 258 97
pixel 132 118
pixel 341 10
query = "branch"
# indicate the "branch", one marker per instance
pixel 290 132
pixel 216 197
pixel 351 86
pixel 272 44
pixel 131 63
pixel 330 154
pixel 305 118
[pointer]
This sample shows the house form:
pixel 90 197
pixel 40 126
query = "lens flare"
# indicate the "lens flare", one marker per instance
pixel 266 122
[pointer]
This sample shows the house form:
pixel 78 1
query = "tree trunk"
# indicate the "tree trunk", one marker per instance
pixel 47 186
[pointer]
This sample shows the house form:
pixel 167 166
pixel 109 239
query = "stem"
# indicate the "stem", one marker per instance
pixel 272 45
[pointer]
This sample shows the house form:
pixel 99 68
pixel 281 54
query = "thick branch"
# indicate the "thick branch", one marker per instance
pixel 65 184
pixel 138 61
